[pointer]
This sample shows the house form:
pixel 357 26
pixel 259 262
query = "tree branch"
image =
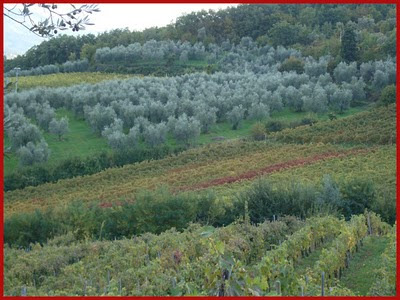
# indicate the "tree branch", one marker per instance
pixel 22 23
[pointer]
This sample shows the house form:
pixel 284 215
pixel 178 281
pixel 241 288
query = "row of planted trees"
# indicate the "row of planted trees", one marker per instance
pixel 148 109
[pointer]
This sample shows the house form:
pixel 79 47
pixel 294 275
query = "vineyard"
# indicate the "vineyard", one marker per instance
pixel 356 129
pixel 240 259
pixel 91 218
pixel 213 166
pixel 63 79
pixel 210 157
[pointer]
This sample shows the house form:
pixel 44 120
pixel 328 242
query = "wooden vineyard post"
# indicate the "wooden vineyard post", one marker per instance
pixel 347 259
pixel 23 291
pixel 278 287
pixel 323 283
pixel 84 288
pixel 369 224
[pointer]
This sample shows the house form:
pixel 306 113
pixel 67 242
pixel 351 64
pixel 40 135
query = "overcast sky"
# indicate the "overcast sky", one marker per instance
pixel 17 39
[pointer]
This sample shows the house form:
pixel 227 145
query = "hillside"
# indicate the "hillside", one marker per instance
pixel 357 129
pixel 245 152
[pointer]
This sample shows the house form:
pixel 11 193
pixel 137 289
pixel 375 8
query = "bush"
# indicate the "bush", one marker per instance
pixel 23 229
pixel 308 121
pixel 264 201
pixel 305 121
pixel 292 64
pixel 152 212
pixel 388 95
pixel 158 212
pixel 258 132
pixel 358 195
pixel 71 167
pixel 274 126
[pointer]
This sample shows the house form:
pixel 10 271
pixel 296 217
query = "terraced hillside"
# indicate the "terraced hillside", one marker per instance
pixel 215 166
pixel 229 167
pixel 215 185
pixel 249 151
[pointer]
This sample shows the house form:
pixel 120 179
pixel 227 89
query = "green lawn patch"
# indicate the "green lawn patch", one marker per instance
pixel 359 277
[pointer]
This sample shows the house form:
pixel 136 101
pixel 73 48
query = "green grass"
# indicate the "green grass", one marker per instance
pixel 359 277
pixel 81 141
pixel 310 260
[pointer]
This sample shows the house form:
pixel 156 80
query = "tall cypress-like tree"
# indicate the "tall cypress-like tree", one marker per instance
pixel 349 45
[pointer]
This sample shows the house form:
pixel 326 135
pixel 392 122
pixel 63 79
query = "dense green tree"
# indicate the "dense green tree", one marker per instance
pixel 292 64
pixel 349 50
pixel 388 95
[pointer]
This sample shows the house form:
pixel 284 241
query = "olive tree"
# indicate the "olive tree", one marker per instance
pixel 33 153
pixel 317 102
pixel 235 116
pixel 155 134
pixel 341 99
pixel 207 116
pixel 258 111
pixel 99 116
pixel 22 135
pixel 186 129
pixel 345 72
pixel 59 127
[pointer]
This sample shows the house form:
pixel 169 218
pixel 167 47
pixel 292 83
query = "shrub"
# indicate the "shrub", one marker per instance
pixel 274 126
pixel 308 121
pixel 258 132
pixel 388 95
pixel 264 201
pixel 292 64
pixel 23 229
pixel 357 194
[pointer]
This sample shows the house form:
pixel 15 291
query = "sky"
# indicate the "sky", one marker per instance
pixel 17 39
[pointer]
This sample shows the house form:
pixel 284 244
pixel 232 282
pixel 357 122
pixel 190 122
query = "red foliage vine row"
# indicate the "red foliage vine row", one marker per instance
pixel 272 168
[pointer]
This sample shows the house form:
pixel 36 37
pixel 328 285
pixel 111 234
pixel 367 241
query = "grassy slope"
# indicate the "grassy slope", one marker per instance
pixel 360 275
pixel 82 142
